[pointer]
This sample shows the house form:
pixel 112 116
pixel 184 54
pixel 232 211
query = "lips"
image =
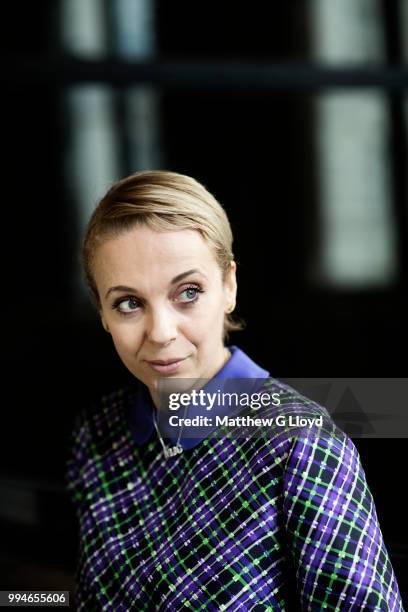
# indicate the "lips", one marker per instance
pixel 166 361
pixel 166 366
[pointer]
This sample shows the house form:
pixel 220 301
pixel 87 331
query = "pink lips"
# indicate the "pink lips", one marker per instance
pixel 166 366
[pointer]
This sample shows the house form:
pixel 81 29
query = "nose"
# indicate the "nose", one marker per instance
pixel 161 326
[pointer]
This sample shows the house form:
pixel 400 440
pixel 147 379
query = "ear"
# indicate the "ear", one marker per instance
pixel 231 287
pixel 104 324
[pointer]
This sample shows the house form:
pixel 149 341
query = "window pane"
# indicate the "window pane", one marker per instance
pixel 357 246
pixel 84 28
pixel 346 31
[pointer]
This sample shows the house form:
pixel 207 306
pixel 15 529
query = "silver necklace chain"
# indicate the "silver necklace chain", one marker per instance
pixel 169 451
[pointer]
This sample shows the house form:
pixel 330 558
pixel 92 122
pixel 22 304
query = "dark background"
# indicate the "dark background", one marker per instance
pixel 235 88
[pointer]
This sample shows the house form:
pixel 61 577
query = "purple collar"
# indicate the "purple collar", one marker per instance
pixel 141 410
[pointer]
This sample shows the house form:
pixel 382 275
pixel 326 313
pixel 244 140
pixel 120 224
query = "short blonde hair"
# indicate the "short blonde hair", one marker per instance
pixel 163 201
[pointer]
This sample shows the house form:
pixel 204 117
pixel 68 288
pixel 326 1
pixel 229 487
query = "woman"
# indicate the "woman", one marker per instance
pixel 204 523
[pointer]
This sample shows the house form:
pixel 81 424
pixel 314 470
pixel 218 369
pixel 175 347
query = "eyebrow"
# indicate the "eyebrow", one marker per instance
pixel 176 279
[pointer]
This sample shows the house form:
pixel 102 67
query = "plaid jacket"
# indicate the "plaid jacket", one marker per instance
pixel 275 523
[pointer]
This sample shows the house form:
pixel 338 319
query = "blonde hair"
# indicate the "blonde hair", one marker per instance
pixel 163 201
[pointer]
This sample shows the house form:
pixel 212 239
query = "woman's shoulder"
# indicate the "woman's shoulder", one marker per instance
pixel 296 411
pixel 290 396
pixel 304 422
pixel 103 418
pixel 98 430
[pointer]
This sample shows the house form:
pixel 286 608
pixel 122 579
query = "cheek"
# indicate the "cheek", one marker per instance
pixel 125 341
pixel 206 319
pixel 216 311
pixel 207 323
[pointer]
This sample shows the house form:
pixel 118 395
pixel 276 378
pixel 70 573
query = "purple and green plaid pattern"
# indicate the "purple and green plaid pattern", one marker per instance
pixel 231 524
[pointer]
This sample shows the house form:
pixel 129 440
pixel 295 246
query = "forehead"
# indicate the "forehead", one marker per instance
pixel 142 253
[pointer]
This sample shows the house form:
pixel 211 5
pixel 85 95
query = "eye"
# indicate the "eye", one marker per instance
pixel 191 293
pixel 133 305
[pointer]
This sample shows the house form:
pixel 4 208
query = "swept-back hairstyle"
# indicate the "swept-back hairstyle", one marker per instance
pixel 163 201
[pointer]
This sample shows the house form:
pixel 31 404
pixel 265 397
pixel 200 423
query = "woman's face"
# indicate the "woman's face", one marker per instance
pixel 163 298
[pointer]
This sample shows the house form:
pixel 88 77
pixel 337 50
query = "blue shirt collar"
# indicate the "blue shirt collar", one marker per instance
pixel 239 365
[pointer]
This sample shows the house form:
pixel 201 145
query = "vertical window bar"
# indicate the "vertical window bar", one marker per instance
pixel 395 18
pixel 138 107
pixel 91 157
pixel 357 248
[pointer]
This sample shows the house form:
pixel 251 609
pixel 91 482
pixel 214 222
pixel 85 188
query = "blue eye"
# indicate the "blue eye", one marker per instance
pixel 192 294
pixel 131 300
pixel 133 304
